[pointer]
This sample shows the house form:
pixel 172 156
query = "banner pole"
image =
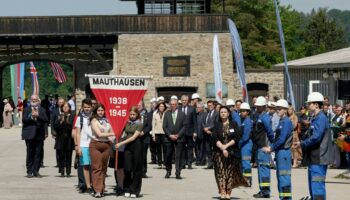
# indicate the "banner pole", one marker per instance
pixel 117 76
pixel 116 160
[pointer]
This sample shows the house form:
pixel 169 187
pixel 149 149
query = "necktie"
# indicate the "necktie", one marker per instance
pixel 174 117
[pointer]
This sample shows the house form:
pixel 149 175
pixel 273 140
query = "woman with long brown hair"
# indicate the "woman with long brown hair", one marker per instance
pixel 226 156
pixel 133 154
pixel 99 148
pixel 64 141
pixel 297 154
pixel 158 134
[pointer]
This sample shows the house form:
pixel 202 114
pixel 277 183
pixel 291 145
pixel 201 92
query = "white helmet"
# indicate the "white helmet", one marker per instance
pixel 260 101
pixel 245 106
pixel 195 96
pixel 174 97
pixel 282 103
pixel 315 97
pixel 153 100
pixel 161 98
pixel 230 102
pixel 271 104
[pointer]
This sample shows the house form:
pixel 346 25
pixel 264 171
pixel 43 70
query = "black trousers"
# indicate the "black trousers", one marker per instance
pixel 133 168
pixel 145 150
pixel 161 152
pixel 200 151
pixel 64 161
pixel 188 151
pixel 208 151
pixel 34 155
pixel 171 148
pixel 153 150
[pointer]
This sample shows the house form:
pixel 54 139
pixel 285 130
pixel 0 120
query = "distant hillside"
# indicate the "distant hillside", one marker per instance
pixel 343 19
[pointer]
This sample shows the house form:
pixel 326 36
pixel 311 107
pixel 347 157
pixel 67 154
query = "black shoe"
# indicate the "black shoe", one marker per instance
pixel 190 167
pixel 167 175
pixel 90 191
pixel 145 176
pixel 261 195
pixel 178 176
pixel 62 174
pixel 29 175
pixel 209 167
pixel 37 175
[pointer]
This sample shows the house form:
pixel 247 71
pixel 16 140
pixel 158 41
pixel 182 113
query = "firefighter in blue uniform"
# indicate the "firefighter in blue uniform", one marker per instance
pixel 262 136
pixel 281 146
pixel 230 103
pixel 246 144
pixel 316 147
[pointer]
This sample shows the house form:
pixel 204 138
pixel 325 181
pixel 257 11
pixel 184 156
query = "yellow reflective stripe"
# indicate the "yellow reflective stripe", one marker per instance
pixel 264 184
pixel 318 178
pixel 284 172
pixel 264 163
pixel 247 174
pixel 246 157
pixel 285 194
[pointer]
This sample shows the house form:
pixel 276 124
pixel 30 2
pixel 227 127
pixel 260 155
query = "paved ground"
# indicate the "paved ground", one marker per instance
pixel 197 183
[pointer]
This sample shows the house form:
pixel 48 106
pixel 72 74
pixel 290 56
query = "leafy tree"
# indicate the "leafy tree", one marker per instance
pixel 322 33
pixel 343 19
pixel 257 26
pixel 46 78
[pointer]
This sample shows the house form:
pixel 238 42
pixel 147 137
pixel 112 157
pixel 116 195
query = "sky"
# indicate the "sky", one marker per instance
pixel 116 7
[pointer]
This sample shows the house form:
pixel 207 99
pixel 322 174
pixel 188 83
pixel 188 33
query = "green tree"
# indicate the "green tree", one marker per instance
pixel 257 26
pixel 322 33
pixel 46 78
pixel 343 19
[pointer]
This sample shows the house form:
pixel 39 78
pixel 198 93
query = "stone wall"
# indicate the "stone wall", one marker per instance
pixel 143 55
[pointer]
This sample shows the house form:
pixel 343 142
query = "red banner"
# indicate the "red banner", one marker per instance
pixel 118 94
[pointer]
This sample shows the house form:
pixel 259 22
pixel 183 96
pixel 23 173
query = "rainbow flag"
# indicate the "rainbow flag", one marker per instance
pixel 17 81
pixel 34 76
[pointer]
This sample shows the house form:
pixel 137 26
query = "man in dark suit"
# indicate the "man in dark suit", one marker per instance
pixel 55 114
pixel 34 132
pixel 190 131
pixel 208 125
pixel 146 118
pixel 174 125
pixel 199 144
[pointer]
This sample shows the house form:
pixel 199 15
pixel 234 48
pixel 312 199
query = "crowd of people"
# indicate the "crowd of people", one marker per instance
pixel 230 138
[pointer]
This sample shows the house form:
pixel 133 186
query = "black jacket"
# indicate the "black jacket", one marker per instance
pixel 178 129
pixel 234 133
pixel 34 128
pixel 64 140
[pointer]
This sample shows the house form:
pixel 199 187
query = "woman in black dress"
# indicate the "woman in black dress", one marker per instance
pixel 64 141
pixel 133 154
pixel 226 157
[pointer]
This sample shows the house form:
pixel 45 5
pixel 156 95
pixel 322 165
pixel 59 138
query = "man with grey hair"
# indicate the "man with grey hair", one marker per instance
pixel 34 132
pixel 190 130
pixel 174 124
pixel 199 142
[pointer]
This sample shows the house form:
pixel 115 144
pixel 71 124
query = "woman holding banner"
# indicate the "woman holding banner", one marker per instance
pixel 99 148
pixel 133 154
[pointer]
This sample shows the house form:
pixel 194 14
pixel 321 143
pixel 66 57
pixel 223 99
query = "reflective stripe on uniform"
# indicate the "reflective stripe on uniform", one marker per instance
pixel 247 174
pixel 246 157
pixel 264 163
pixel 284 172
pixel 285 194
pixel 318 179
pixel 265 184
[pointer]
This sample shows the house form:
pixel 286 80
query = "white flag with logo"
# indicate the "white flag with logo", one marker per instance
pixel 217 70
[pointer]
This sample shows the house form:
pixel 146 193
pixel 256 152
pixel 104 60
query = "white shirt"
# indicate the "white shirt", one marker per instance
pixel 72 104
pixel 85 133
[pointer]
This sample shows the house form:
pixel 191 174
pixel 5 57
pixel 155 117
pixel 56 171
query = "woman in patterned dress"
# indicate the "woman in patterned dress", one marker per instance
pixel 226 157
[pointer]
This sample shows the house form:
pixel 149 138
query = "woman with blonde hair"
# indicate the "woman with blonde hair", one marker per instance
pixel 297 154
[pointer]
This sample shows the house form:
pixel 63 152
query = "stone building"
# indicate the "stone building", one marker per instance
pixel 145 54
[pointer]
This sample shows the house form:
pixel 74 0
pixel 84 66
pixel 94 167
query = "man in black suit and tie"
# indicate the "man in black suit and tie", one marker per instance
pixel 34 132
pixel 190 131
pixel 174 125
pixel 208 125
